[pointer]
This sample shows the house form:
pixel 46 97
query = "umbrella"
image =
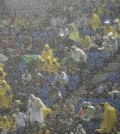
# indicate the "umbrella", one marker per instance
pixel 3 58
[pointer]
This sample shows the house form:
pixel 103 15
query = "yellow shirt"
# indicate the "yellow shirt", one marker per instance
pixel 85 41
pixel 107 30
pixel 94 21
pixel 46 54
pixel 6 125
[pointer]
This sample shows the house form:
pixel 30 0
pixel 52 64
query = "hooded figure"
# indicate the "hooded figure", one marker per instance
pixel 37 110
pixel 78 54
pixel 109 119
pixel 74 35
pixel 80 129
pixel 36 107
pixel 47 52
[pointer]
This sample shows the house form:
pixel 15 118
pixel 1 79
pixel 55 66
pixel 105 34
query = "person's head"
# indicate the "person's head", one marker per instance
pixel 26 72
pixel 46 48
pixel 32 97
pixel 110 35
pixel 17 110
pixel 73 48
pixel 116 22
pixel 79 127
pixel 4 119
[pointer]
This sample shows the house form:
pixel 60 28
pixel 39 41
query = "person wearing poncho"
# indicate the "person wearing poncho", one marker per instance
pixel 109 119
pixel 74 35
pixel 47 52
pixel 37 110
pixel 7 100
pixel 47 66
pixel 116 29
pixel 55 66
pixel 2 74
pixel 107 28
pixel 78 54
pixel 89 112
pixel 3 88
pixel 94 21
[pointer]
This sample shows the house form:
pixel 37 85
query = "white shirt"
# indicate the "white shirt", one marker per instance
pixel 20 119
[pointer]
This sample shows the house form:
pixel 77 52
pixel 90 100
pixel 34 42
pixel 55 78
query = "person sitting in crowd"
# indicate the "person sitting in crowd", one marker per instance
pixel 107 28
pixel 109 119
pixel 61 77
pixel 26 78
pixel 47 52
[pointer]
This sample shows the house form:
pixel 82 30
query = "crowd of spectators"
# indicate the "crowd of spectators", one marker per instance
pixel 49 59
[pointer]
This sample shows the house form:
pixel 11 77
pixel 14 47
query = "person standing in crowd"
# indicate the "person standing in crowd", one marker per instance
pixel 26 78
pixel 47 52
pixel 109 119
pixel 20 121
pixel 35 107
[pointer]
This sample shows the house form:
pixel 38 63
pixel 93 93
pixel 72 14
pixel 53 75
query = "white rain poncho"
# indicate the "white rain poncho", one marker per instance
pixel 36 108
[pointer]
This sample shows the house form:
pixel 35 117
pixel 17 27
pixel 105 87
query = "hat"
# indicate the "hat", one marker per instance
pixel 110 34
pixel 107 22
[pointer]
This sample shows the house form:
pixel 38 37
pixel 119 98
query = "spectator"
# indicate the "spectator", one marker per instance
pixel 61 77
pixel 35 107
pixel 78 54
pixel 80 129
pixel 47 52
pixel 20 121
pixel 109 118
pixel 26 78
pixel 107 28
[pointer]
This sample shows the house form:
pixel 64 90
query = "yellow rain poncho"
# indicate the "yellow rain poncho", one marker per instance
pixel 74 35
pixel 85 42
pixel 6 101
pixel 109 119
pixel 107 30
pixel 6 124
pixel 2 74
pixel 3 90
pixel 116 30
pixel 47 52
pixel 94 21
pixel 47 66
pixel 55 66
